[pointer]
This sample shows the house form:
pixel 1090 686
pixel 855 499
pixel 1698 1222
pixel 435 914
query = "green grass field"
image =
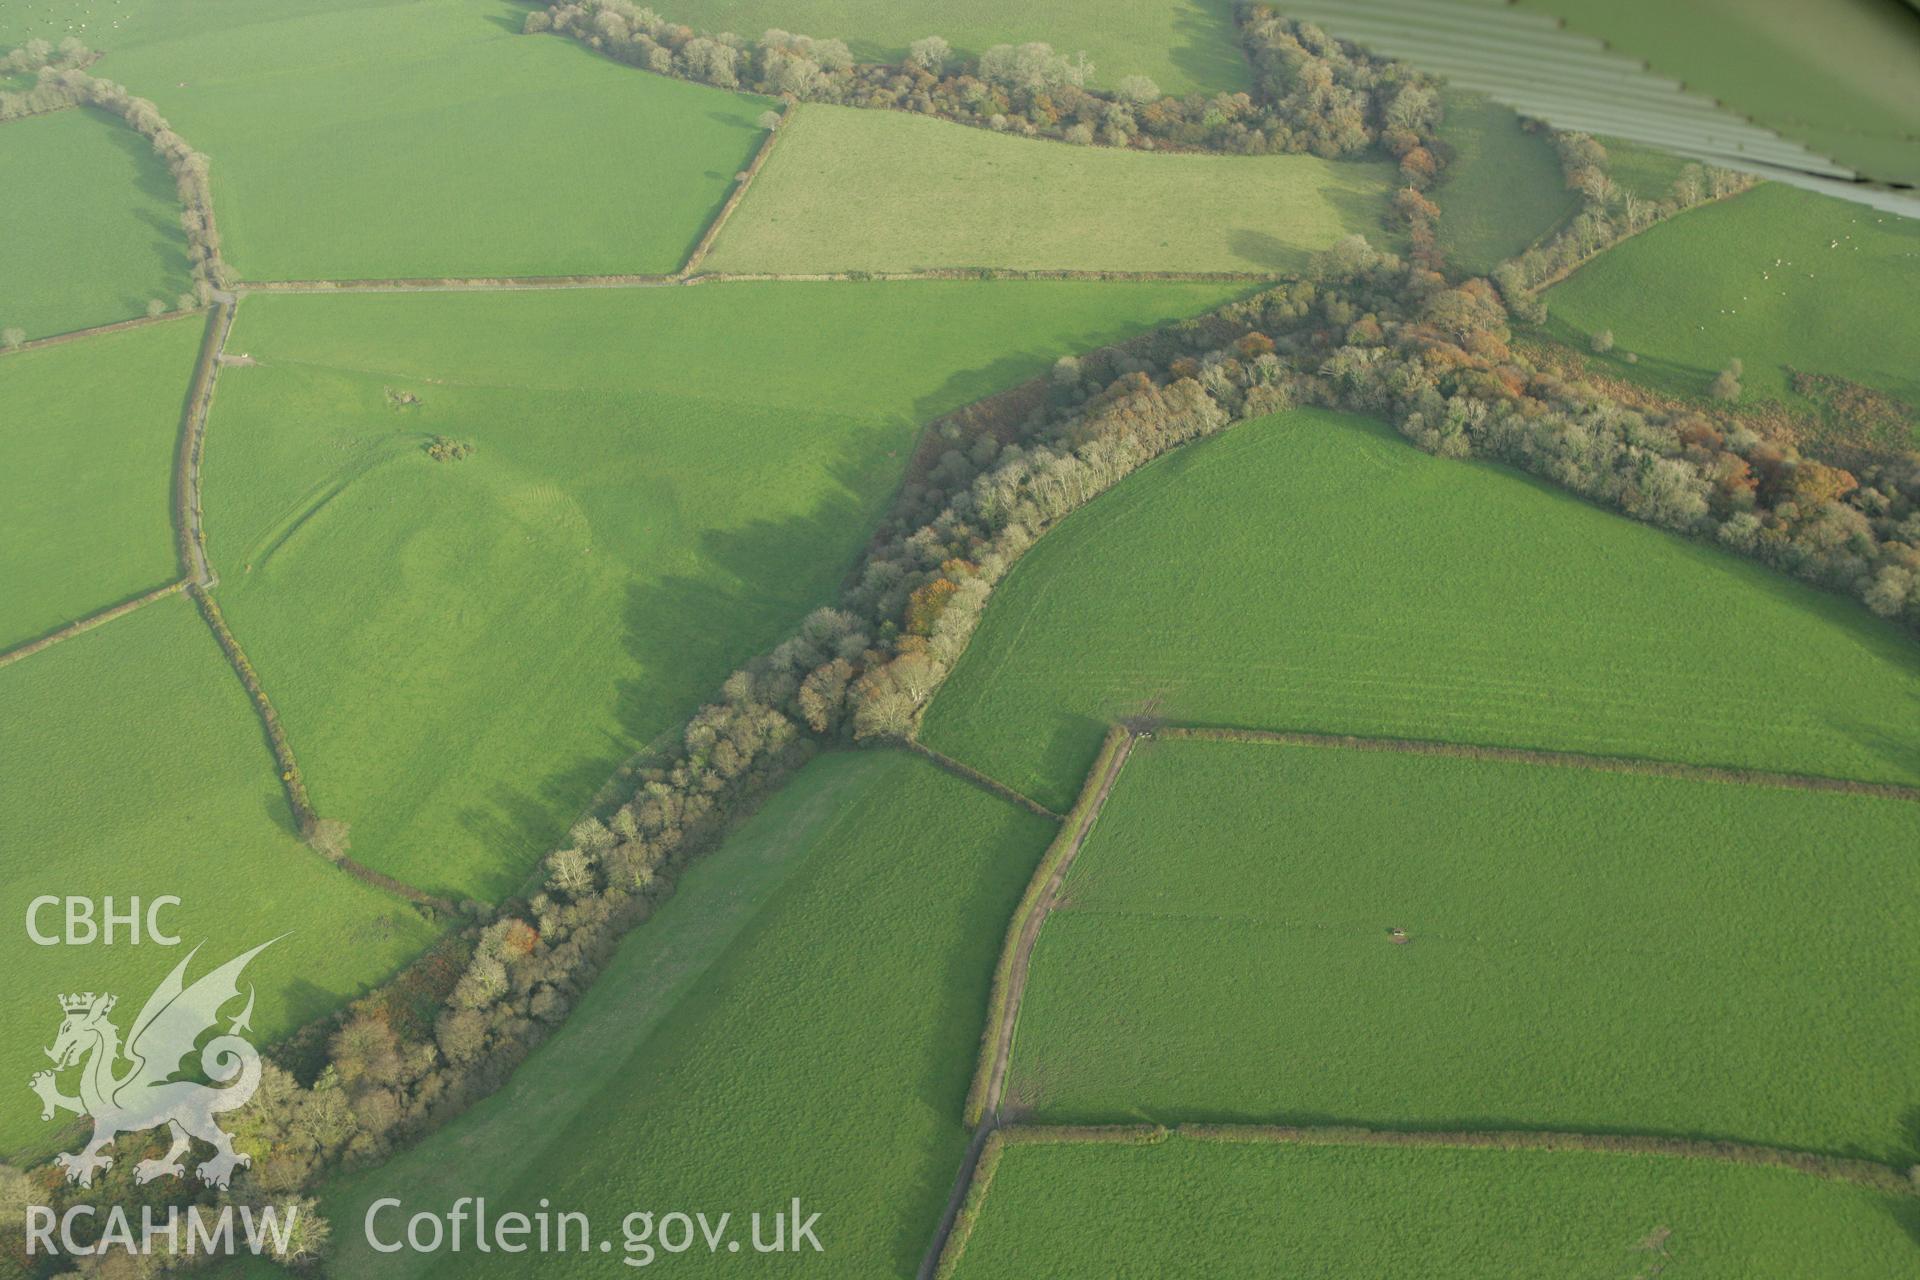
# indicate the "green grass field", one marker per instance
pixel 825 1055
pixel 1503 188
pixel 1187 1207
pixel 1187 46
pixel 427 139
pixel 1645 171
pixel 1314 571
pixel 1776 276
pixel 135 767
pixel 665 481
pixel 1589 951
pixel 93 228
pixel 89 436
pixel 937 194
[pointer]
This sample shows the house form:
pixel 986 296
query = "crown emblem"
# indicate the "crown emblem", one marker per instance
pixel 80 1002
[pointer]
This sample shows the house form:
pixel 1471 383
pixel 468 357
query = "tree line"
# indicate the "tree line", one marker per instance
pixel 62 82
pixel 36 56
pixel 1608 214
pixel 1313 94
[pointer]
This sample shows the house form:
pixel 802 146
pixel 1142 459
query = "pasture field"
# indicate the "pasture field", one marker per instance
pixel 1775 276
pixel 89 434
pixel 1314 571
pixel 665 481
pixel 136 767
pixel 1187 46
pixel 825 1054
pixel 1190 1207
pixel 93 228
pixel 937 194
pixel 1502 190
pixel 1587 951
pixel 427 139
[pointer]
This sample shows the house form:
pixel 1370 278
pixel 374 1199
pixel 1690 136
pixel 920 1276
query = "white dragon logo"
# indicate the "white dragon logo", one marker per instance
pixel 146 1095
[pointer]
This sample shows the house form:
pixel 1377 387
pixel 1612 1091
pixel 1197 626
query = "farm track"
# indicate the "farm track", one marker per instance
pixel 1554 759
pixel 188 529
pixel 930 1266
pixel 1029 931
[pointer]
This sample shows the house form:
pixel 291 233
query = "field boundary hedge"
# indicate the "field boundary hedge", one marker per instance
pixel 191 542
pixel 1865 1173
pixel 1552 759
pixel 454 284
pixel 190 538
pixel 947 1257
pixel 290 777
pixel 93 331
pixel 89 622
pixel 988 273
pixel 462 284
pixel 1010 973
pixel 987 783
pixel 743 180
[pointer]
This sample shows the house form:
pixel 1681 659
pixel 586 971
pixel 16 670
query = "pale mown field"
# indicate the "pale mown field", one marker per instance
pixel 853 190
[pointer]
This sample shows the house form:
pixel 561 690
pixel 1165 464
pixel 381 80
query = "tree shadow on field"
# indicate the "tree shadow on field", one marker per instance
pixel 1267 252
pixel 511 15
pixel 276 807
pixel 964 386
pixel 156 185
pixel 1015 366
pixel 1881 639
pixel 517 827
pixel 684 633
pixel 1206 46
pixel 755 583
pixel 1359 203
pixel 1905 1210
pixel 1072 746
